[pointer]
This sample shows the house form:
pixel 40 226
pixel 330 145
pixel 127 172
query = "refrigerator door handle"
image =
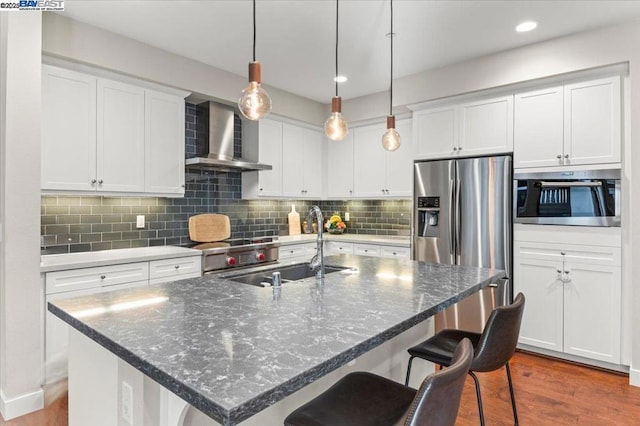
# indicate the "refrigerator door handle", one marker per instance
pixel 451 220
pixel 457 224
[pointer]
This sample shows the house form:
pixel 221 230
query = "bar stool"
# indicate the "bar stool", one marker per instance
pixel 367 399
pixel 493 348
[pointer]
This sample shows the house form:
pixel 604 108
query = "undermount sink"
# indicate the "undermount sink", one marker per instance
pixel 287 274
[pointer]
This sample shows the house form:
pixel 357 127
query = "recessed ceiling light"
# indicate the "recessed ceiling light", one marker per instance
pixel 526 26
pixel 340 79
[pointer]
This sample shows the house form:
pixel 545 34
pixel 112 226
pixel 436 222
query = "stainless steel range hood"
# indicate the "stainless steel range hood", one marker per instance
pixel 215 133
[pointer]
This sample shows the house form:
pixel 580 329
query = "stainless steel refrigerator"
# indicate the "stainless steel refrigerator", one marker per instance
pixel 462 216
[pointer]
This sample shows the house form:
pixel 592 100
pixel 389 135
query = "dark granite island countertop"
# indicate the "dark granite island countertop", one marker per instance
pixel 232 349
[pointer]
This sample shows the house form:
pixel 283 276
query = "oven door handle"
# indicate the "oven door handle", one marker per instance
pixel 544 184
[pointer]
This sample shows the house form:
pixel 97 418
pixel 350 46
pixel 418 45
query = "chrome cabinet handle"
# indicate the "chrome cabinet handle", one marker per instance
pixel 93 181
pixel 100 182
pixel 177 266
pixel 102 277
pixel 566 156
pixel 558 156
pixel 455 148
pixel 459 148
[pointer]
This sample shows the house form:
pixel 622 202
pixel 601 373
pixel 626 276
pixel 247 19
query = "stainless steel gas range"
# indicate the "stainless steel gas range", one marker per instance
pixel 238 253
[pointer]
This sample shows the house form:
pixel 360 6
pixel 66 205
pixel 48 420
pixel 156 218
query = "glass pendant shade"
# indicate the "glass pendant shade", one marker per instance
pixel 336 126
pixel 391 138
pixel 254 102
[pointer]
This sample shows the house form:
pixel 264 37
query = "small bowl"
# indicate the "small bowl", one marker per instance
pixel 336 230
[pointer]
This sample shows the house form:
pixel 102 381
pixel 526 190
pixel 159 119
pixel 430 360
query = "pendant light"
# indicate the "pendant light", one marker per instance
pixel 336 126
pixel 254 102
pixel 391 138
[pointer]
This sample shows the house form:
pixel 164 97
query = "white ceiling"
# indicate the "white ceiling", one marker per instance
pixel 296 42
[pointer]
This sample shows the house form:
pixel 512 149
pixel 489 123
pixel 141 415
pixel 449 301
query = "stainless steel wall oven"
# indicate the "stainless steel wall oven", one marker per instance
pixel 586 198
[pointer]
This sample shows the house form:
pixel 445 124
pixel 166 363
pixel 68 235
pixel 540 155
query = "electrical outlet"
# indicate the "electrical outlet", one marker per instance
pixel 346 216
pixel 127 403
pixel 140 221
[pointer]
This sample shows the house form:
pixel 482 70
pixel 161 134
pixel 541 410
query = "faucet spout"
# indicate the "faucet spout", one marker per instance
pixel 317 262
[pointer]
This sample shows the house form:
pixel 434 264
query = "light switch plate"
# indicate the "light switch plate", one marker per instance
pixel 140 221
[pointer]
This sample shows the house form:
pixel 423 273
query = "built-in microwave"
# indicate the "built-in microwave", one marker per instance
pixel 586 198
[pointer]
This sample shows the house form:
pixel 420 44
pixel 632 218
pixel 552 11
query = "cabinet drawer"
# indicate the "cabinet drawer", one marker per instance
pixel 594 255
pixel 366 250
pixel 397 252
pixel 176 267
pixel 102 276
pixel 335 247
pixel 287 252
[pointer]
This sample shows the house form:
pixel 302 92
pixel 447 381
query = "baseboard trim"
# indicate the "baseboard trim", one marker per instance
pixel 634 377
pixel 21 405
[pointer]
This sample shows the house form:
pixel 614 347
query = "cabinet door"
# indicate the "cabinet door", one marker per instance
pixel 270 152
pixel 313 164
pixel 592 311
pixel 340 167
pixel 486 127
pixel 538 128
pixel 369 175
pixel 593 122
pixel 537 278
pixel 120 137
pixel 164 143
pixel 399 164
pixel 293 158
pixel 68 156
pixel 366 250
pixel 436 132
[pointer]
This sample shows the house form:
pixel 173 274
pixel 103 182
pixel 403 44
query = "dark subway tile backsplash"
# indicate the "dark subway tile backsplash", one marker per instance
pixel 89 223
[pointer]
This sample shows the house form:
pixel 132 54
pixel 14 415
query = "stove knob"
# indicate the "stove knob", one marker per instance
pixel 260 256
pixel 231 261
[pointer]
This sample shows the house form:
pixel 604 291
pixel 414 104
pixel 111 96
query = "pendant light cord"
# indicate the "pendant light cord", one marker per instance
pixel 254 30
pixel 391 82
pixel 336 78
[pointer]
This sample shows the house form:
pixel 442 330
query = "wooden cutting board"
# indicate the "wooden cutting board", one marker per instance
pixel 209 227
pixel 294 222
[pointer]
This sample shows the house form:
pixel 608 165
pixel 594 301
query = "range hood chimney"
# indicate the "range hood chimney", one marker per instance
pixel 214 149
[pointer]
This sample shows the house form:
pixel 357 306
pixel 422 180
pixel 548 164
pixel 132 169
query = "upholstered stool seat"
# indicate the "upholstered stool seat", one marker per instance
pixel 367 399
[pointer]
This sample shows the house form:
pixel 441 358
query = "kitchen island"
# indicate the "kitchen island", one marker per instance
pixel 231 350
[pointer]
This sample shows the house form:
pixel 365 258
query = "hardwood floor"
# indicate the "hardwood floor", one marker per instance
pixel 548 392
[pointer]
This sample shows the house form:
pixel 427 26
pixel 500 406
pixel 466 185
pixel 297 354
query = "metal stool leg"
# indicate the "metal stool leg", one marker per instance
pixel 480 410
pixel 406 382
pixel 513 396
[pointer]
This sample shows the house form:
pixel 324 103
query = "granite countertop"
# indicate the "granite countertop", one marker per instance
pixel 60 262
pixel 390 240
pixel 232 349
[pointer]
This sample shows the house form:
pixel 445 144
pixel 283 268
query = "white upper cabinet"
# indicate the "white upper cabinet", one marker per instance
pixel 436 132
pixel 593 121
pixel 69 130
pixel 486 126
pixel 269 152
pixel 340 167
pixel 379 173
pixel 569 125
pixel 120 137
pixel 295 154
pixel 107 136
pixel 471 128
pixel 164 121
pixel 301 162
pixel 539 128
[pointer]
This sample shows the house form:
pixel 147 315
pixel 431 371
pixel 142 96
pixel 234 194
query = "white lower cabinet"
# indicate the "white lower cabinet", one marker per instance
pixel 573 298
pixel 306 251
pixel 298 252
pixel 337 247
pixel 86 281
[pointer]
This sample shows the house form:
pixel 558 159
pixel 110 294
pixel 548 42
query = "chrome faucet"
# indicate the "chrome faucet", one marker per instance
pixel 317 261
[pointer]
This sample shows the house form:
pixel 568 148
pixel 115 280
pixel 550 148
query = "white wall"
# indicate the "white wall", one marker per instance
pixel 83 43
pixel 613 45
pixel 21 293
